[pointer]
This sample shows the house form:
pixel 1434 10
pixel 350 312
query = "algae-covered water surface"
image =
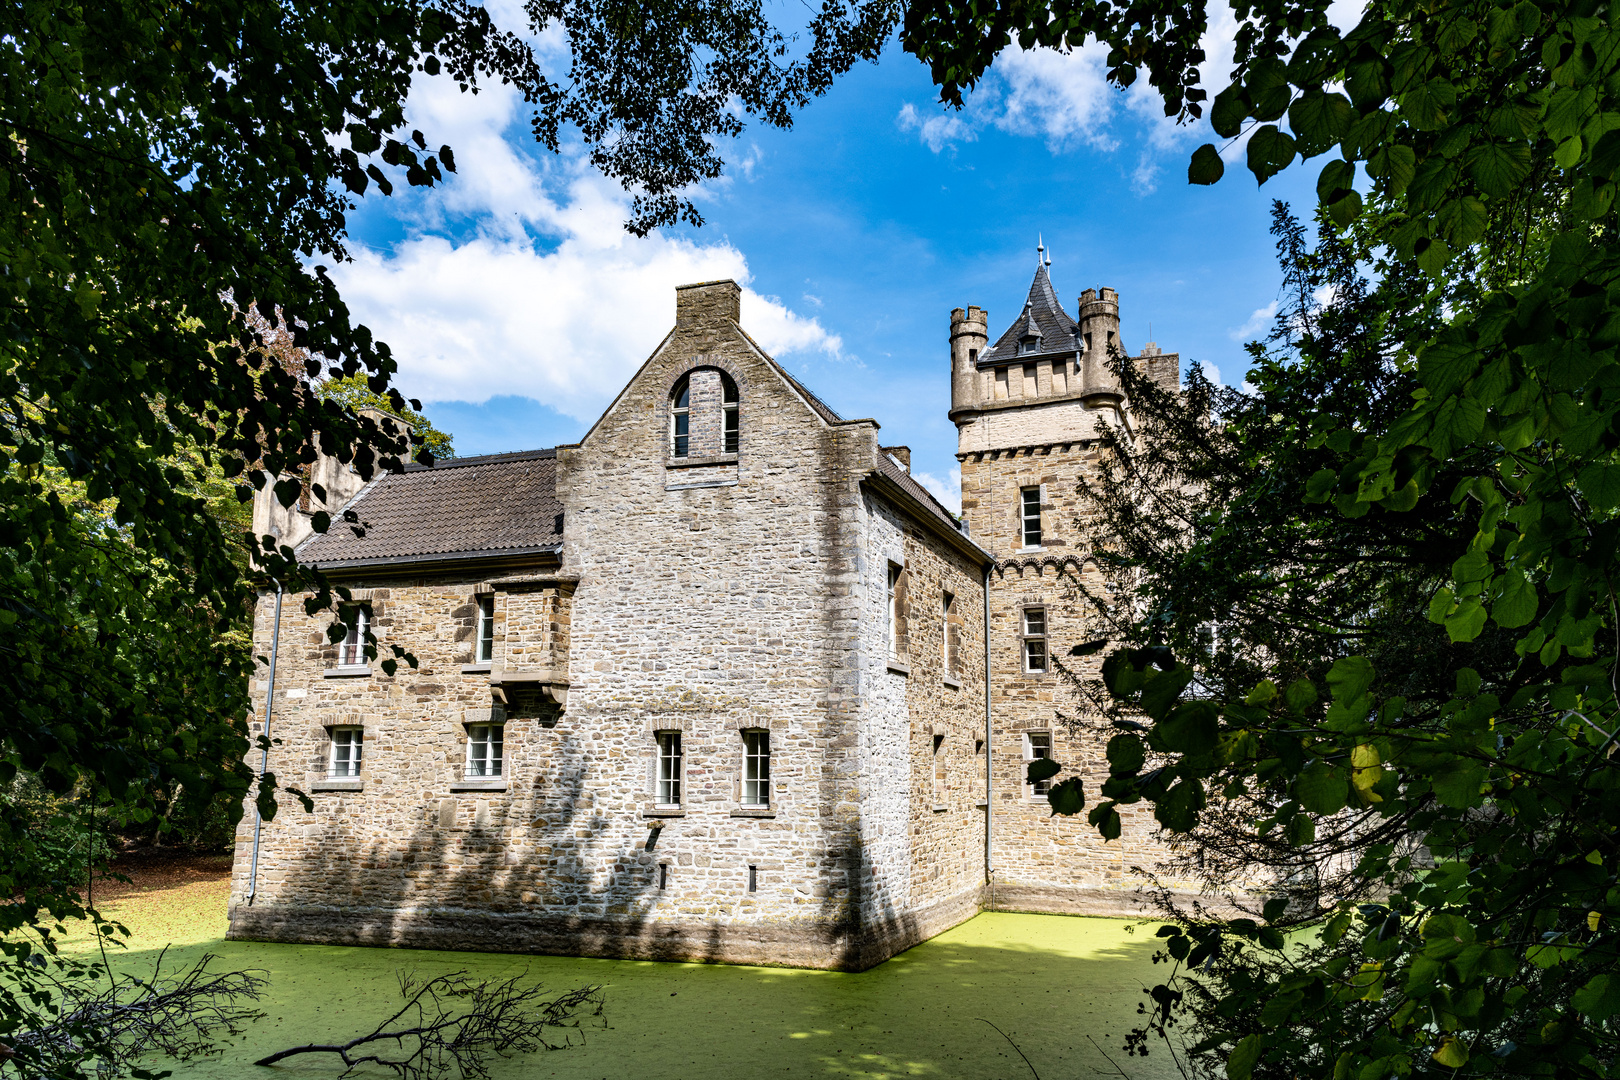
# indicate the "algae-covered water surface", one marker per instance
pixel 1064 989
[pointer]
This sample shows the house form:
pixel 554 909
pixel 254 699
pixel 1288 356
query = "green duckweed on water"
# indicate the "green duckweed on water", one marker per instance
pixel 1052 983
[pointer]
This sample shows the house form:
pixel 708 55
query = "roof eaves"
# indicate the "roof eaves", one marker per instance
pixel 437 557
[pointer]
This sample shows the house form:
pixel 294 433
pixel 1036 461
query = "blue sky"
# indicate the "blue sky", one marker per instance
pixel 517 305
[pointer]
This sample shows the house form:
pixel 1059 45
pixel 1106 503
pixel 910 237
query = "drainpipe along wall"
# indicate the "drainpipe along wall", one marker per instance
pixel 264 758
pixel 989 801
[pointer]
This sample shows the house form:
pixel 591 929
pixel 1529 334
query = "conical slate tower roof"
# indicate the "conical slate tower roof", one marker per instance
pixel 1043 317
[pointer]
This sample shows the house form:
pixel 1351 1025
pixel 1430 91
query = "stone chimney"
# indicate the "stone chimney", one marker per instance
pixel 902 454
pixel 707 303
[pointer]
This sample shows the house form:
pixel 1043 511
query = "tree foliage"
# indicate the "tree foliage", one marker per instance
pixel 1394 665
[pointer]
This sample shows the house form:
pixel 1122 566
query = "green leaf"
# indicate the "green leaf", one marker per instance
pixel 1322 788
pixel 1499 168
pixel 1106 819
pixel 1178 809
pixel 1463 220
pixel 1467 621
pixel 1227 114
pixel 1320 119
pixel 1428 107
pixel 1453 1053
pixel 1067 797
pixel 1126 754
pixel 1192 728
pixel 1350 677
pixel 1245 1055
pixel 1606 155
pixel 1599 999
pixel 1268 89
pixel 1042 769
pixel 1163 688
pixel 1516 602
pixel 1457 784
pixel 1300 695
pixel 1270 151
pixel 1206 166
pixel 1301 830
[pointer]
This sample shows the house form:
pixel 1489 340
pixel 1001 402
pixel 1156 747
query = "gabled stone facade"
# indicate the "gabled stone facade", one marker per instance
pixel 723 565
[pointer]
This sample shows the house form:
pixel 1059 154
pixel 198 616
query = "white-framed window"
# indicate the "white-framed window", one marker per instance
pixel 1029 501
pixel 978 770
pixel 897 629
pixel 756 768
pixel 1038 745
pixel 352 653
pixel 484 649
pixel 667 791
pixel 344 761
pixel 947 633
pixel 731 409
pixel 939 769
pixel 1029 345
pixel 680 418
pixel 1034 635
pixel 484 747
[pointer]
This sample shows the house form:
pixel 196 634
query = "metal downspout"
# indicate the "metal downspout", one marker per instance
pixel 264 759
pixel 989 801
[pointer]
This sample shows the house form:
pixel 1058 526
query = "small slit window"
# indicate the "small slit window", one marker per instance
pixel 484 649
pixel 1038 745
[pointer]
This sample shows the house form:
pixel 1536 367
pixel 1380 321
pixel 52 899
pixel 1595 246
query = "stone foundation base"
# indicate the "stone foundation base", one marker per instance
pixel 808 944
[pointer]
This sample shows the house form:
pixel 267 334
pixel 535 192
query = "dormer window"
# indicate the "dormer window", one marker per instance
pixel 1028 345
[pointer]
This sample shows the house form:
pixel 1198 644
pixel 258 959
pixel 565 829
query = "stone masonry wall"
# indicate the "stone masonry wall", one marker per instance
pixel 1046 863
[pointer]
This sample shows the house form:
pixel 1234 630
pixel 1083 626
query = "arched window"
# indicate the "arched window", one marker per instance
pixel 681 416
pixel 694 428
pixel 733 415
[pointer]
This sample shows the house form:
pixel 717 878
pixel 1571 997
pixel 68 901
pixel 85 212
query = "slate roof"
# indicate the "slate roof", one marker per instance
pixel 483 505
pixel 1043 314
pixel 892 470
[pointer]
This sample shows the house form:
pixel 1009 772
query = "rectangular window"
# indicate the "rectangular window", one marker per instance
pixel 352 653
pixel 753 878
pixel 1038 745
pixel 978 770
pixel 1031 381
pixel 486 630
pixel 346 746
pixel 756 768
pixel 1030 515
pixel 947 634
pixel 1060 376
pixel 973 356
pixel 939 769
pixel 897 631
pixel 1001 384
pixel 669 769
pixel 1034 639
pixel 663 875
pixel 484 750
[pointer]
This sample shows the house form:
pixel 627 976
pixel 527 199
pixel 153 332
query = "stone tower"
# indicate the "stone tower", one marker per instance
pixel 1028 412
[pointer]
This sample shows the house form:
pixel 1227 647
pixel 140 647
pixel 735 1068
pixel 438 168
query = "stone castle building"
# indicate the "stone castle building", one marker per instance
pixel 712 683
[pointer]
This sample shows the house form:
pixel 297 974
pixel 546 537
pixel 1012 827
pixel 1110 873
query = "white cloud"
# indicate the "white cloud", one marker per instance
pixel 1260 320
pixel 1066 99
pixel 1211 372
pixel 936 132
pixel 947 492
pixel 565 319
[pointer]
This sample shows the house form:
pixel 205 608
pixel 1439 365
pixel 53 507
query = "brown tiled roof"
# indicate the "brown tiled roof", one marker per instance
pixel 1043 316
pixel 464 506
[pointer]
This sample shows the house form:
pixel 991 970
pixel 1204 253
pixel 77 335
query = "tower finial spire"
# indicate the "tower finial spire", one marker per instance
pixel 1040 249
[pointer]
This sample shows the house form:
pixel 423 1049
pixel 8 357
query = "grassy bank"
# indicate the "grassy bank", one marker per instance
pixel 1048 981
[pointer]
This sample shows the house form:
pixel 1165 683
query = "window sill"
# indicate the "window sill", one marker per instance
pixel 1029 550
pixel 900 667
pixel 981 804
pixel 951 681
pixel 696 462
pixel 754 812
pixel 478 785
pixel 661 812
pixel 348 671
pixel 476 669
pixel 939 809
pixel 338 785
